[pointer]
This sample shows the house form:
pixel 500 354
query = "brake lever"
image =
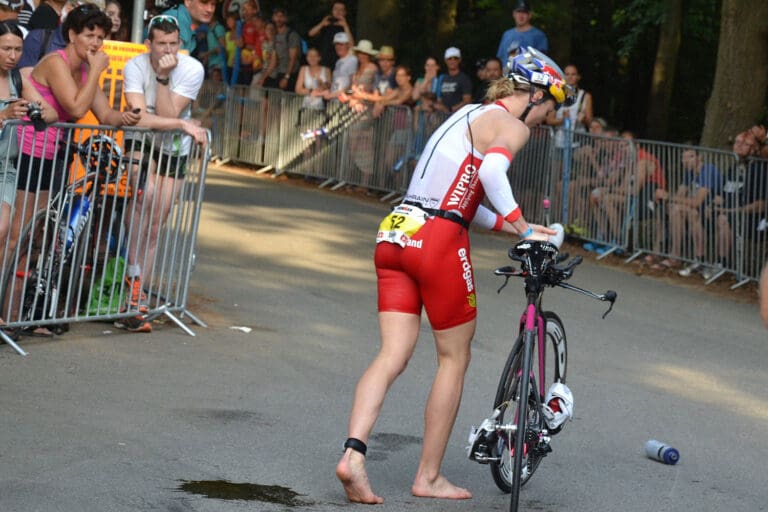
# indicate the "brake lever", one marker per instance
pixel 502 286
pixel 609 296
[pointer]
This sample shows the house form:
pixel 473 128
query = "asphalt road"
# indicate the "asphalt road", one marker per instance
pixel 102 420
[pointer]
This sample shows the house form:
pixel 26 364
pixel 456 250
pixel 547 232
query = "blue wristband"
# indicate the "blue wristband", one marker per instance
pixel 528 232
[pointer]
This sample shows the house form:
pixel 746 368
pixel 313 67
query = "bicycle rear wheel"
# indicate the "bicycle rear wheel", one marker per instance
pixel 508 392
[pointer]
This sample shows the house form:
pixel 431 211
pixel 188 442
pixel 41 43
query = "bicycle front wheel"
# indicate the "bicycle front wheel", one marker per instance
pixel 508 395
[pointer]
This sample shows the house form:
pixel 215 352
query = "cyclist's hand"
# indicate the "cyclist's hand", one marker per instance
pixel 540 233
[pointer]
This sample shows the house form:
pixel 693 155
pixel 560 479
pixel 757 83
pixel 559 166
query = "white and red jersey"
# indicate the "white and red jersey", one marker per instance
pixel 447 178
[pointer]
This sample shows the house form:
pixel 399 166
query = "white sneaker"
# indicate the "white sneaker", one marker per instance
pixel 558 405
pixel 690 269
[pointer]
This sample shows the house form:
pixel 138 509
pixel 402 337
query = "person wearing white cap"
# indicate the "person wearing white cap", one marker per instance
pixel 345 66
pixel 455 86
pixel 523 33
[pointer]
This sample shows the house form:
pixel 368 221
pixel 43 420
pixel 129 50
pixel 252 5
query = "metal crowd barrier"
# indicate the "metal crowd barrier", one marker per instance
pixel 589 182
pixel 74 228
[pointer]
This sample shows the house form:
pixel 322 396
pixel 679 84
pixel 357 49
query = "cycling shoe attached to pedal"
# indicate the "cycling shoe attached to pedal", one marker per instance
pixel 558 407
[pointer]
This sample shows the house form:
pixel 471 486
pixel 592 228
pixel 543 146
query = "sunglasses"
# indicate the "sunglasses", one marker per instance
pixel 163 18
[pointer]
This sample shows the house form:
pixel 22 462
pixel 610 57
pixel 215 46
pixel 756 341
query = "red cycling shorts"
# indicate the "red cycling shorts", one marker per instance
pixel 434 270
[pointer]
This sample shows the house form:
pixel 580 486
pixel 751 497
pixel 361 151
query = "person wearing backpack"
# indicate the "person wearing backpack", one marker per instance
pixel 288 49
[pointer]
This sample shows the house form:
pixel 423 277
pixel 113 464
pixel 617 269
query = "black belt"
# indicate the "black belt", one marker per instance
pixel 444 214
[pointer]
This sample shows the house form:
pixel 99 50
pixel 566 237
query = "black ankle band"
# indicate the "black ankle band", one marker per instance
pixel 356 445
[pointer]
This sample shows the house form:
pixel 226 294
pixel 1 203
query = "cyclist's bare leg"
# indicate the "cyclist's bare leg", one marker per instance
pixel 399 332
pixel 453 355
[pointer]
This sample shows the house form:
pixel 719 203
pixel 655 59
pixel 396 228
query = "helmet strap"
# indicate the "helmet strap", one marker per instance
pixel 528 108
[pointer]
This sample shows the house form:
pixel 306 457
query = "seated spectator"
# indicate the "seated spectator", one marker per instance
pixel 455 86
pixel 689 207
pixel 644 183
pixel 742 202
pixel 429 83
pixel 314 80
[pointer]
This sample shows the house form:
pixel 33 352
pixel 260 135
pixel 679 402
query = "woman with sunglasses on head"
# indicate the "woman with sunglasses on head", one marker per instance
pixel 422 260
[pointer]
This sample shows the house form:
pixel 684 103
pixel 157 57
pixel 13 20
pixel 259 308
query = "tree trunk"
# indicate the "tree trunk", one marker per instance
pixel 741 81
pixel 377 22
pixel 446 23
pixel 663 80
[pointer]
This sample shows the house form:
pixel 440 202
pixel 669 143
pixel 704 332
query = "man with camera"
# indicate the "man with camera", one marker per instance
pixel 327 28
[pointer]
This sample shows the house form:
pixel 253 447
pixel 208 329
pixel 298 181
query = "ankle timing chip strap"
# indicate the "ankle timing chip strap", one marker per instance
pixel 356 445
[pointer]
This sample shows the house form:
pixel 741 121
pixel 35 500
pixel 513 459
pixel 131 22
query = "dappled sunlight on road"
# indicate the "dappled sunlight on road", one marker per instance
pixel 701 387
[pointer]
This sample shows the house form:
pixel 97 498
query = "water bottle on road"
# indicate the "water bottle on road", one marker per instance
pixel 661 452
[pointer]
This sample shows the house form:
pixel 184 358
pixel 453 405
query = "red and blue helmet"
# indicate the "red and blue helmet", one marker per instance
pixel 532 68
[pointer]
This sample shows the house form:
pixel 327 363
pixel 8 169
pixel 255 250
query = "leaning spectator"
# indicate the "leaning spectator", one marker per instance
pixel 580 113
pixel 267 77
pixel 385 78
pixel 363 80
pixel 689 207
pixel 742 203
pixel 523 33
pixel 345 67
pixel 15 107
pixel 491 72
pixel 430 82
pixel 326 30
pixel 68 80
pixel 288 48
pixel 314 79
pixel 455 86
pixel 163 84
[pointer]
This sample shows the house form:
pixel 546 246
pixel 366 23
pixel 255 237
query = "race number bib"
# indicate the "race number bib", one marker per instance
pixel 399 226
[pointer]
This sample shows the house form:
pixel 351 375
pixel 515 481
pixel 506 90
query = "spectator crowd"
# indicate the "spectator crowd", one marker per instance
pixel 235 42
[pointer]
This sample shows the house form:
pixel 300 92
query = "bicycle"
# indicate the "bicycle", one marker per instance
pixel 58 245
pixel 517 435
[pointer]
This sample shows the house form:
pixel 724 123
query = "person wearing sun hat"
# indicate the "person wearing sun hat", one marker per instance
pixel 385 78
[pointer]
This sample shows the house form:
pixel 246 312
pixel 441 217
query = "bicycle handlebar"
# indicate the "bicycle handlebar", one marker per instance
pixel 541 265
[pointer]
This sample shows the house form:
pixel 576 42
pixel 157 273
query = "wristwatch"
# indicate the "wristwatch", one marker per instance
pixel 287 76
pixel 163 81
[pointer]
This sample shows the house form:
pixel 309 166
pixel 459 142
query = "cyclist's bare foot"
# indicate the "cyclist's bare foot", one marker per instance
pixel 351 472
pixel 439 488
